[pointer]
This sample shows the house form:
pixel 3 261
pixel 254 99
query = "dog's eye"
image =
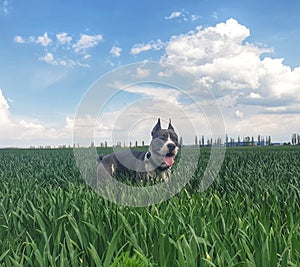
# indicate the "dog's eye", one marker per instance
pixel 163 137
pixel 175 138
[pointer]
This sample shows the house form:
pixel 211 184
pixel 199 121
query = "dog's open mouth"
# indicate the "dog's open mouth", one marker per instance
pixel 169 159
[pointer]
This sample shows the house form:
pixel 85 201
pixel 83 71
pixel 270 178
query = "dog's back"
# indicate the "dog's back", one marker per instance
pixel 125 161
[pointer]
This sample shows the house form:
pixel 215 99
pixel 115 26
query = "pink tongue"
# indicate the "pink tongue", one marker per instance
pixel 169 161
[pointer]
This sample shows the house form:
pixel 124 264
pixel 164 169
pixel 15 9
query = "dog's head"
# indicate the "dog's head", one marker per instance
pixel 164 145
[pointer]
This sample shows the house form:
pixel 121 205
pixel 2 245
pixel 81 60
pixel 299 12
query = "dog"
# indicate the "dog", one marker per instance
pixel 152 165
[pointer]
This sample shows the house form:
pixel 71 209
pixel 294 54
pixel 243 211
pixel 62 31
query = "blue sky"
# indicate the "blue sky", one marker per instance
pixel 52 51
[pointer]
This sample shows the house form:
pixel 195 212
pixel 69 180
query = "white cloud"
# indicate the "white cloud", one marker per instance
pixel 152 45
pixel 254 96
pixel 279 80
pixel 174 15
pixel 19 39
pixel 182 15
pixel 86 42
pixel 63 43
pixel 156 92
pixel 31 39
pixel 142 73
pixel 44 40
pixel 196 49
pixel 50 59
pixel 15 131
pixel 223 60
pixel 261 86
pixel 278 126
pixel 194 17
pixel 115 51
pixel 63 38
pixel 87 56
pixel 22 40
pixel 239 114
pixel 4 110
pixel 275 109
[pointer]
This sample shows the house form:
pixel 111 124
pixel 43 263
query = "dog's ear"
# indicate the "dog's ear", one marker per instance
pixel 156 127
pixel 170 127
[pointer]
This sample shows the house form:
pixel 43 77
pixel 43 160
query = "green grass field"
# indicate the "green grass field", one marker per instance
pixel 250 216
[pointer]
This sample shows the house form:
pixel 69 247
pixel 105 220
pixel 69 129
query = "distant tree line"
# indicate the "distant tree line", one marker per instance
pixel 230 141
pixel 119 144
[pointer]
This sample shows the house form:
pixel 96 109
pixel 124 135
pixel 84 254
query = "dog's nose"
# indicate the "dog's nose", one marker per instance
pixel 171 147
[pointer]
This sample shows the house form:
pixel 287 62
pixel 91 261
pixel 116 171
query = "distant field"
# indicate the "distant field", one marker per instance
pixel 250 216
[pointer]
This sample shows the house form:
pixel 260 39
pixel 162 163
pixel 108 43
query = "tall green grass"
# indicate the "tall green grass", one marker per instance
pixel 250 216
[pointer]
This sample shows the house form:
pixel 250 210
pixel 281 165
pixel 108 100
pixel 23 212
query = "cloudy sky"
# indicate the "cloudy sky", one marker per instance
pixel 245 52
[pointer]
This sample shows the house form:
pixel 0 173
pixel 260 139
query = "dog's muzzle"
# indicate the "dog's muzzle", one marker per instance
pixel 169 158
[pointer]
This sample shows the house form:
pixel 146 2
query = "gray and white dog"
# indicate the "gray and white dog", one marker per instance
pixel 154 164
